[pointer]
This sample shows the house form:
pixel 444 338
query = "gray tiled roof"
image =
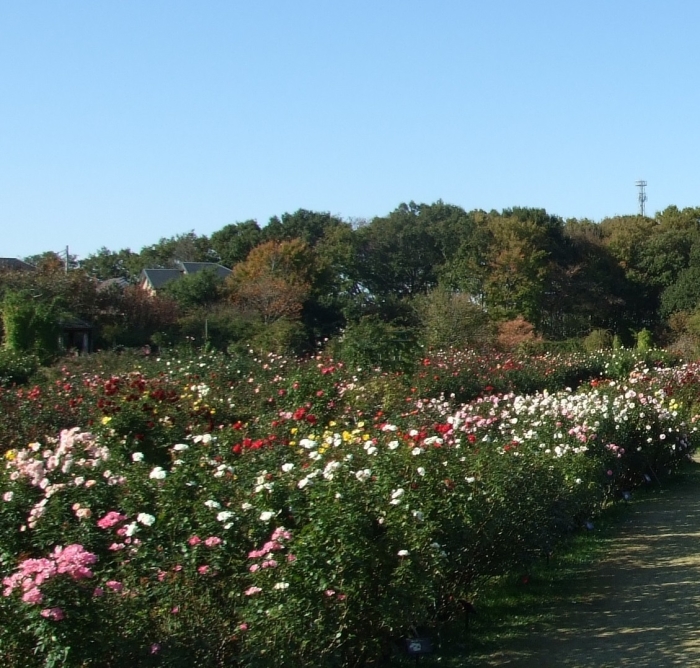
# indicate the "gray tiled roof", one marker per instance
pixel 14 263
pixel 194 267
pixel 110 283
pixel 159 277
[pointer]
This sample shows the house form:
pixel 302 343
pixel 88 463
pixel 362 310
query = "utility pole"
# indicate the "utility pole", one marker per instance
pixel 642 196
pixel 67 256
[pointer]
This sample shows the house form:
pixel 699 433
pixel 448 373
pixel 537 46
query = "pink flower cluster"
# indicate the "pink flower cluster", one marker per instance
pixel 52 470
pixel 615 449
pixel 251 591
pixel 272 545
pixel 212 541
pixel 72 560
pixel 53 613
pixel 36 467
pixel 110 519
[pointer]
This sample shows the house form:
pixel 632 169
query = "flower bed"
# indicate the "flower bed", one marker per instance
pixel 260 517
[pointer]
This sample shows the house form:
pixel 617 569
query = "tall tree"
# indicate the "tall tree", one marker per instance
pixel 518 265
pixel 309 226
pixel 274 281
pixel 186 247
pixel 105 264
pixel 50 261
pixel 232 243
pixel 193 290
pixel 400 254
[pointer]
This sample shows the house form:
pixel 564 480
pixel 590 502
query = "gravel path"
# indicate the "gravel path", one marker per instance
pixel 640 605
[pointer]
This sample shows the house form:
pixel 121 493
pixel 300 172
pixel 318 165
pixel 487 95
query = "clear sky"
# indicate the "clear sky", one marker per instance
pixel 124 122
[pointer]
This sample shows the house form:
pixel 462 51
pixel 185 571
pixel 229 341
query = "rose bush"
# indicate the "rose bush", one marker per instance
pixel 264 513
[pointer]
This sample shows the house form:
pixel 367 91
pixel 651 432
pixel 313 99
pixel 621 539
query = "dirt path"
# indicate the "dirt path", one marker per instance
pixel 639 606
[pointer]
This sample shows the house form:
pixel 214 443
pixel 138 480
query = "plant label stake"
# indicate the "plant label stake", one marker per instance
pixel 418 646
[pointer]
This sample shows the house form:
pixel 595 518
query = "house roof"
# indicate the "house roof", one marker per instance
pixel 194 267
pixel 73 323
pixel 13 263
pixel 157 278
pixel 110 283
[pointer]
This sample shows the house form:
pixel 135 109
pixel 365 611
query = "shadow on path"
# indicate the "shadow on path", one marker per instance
pixel 640 605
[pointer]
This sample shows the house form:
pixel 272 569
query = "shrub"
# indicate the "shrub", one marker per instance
pixel 30 324
pixel 515 333
pixel 16 367
pixel 371 342
pixel 453 320
pixel 598 339
pixel 645 340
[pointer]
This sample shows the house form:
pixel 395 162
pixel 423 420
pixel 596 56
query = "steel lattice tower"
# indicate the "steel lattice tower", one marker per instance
pixel 642 196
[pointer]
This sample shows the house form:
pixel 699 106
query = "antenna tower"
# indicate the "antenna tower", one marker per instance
pixel 642 196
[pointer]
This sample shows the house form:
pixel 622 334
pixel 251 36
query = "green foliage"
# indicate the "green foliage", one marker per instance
pixel 683 294
pixel 371 342
pixel 17 367
pixel 133 318
pixel 188 247
pixel 197 289
pixel 308 226
pixel 598 339
pixel 645 340
pixel 400 254
pixel 282 336
pixel 219 326
pixel 17 316
pixel 565 278
pixel 518 262
pixel 105 264
pixel 453 320
pixel 30 324
pixel 232 243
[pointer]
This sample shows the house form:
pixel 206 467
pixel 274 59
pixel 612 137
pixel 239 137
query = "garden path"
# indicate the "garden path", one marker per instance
pixel 638 606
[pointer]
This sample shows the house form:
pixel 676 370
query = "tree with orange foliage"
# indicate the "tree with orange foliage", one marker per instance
pixel 515 333
pixel 274 280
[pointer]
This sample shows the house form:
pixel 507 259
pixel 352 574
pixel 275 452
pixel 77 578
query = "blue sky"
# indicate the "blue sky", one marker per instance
pixel 124 122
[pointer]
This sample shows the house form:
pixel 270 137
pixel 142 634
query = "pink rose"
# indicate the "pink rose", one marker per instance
pixel 53 613
pixel 33 595
pixel 252 590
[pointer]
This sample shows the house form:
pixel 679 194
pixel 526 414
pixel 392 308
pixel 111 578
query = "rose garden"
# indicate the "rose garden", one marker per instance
pixel 259 510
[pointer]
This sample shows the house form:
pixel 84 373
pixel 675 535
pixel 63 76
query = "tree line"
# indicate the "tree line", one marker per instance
pixel 433 274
